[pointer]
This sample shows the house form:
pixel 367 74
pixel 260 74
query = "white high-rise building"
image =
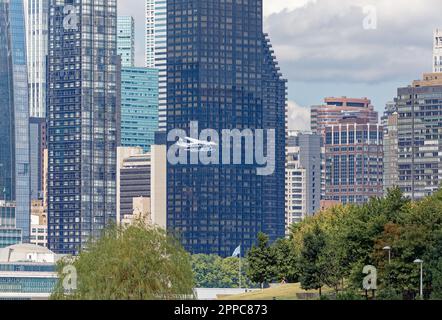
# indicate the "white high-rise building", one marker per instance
pixel 156 49
pixel 150 34
pixel 36 19
pixel 303 176
pixel 437 51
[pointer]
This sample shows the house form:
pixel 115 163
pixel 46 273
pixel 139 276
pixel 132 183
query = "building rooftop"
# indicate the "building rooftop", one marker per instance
pixel 429 79
pixel 27 253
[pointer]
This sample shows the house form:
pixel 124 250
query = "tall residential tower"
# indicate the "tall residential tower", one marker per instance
pixel 222 75
pixel 83 116
pixel 419 131
pixel 156 50
pixel 303 176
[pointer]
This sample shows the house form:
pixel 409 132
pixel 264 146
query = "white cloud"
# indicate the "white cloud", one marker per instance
pixel 325 40
pixel 298 117
pixel 275 6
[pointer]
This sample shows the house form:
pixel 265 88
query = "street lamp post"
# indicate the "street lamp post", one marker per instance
pixel 389 253
pixel 421 262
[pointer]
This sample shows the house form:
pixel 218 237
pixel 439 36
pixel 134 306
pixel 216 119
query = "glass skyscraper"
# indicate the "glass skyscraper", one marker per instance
pixel 221 73
pixel 139 107
pixel 126 40
pixel 14 114
pixel 36 18
pixel 9 234
pixel 83 115
pixel 156 50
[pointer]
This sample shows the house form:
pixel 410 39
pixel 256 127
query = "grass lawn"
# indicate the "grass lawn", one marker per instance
pixel 283 292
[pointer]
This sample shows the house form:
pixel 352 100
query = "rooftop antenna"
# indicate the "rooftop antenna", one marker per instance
pixel 9 254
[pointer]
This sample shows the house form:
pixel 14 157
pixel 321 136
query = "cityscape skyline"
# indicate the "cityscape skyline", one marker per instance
pixel 193 132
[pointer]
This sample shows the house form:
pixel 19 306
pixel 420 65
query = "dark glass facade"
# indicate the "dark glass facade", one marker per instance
pixel 14 114
pixel 221 72
pixel 82 120
pixel 9 234
pixel 37 130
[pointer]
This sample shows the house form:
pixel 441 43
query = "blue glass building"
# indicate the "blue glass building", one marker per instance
pixel 14 111
pixel 139 107
pixel 126 40
pixel 9 234
pixel 82 121
pixel 221 72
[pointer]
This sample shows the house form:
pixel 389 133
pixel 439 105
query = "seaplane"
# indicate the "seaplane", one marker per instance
pixel 194 145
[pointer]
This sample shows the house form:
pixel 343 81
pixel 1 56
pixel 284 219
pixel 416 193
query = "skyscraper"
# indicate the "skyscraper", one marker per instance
pixel 390 125
pixel 150 33
pixel 37 138
pixel 420 136
pixel 353 161
pixel 156 50
pixel 139 107
pixel 36 17
pixel 14 114
pixel 303 176
pixel 332 112
pixel 83 115
pixel 222 74
pixel 9 233
pixel 437 51
pixel 126 40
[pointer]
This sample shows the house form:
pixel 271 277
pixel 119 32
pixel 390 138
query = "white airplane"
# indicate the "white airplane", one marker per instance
pixel 194 145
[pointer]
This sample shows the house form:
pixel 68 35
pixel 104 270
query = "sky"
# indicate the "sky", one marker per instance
pixel 353 48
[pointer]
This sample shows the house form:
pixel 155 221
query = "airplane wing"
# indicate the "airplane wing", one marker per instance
pixel 193 140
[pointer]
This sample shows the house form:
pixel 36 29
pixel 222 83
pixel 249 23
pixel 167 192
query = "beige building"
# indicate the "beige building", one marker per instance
pixel 159 185
pixel 39 224
pixel 141 185
pixel 142 212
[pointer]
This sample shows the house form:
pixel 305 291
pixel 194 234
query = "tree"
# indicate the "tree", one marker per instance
pixel 286 262
pixel 310 276
pixel 331 264
pixel 131 263
pixel 212 271
pixel 261 261
pixel 436 272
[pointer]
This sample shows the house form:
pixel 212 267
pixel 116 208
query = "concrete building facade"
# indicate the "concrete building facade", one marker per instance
pixel 419 108
pixel 303 176
pixel 391 173
pixel 353 161
pixel 335 109
pixel 437 51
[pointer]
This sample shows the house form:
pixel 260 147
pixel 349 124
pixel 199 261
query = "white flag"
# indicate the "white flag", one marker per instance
pixel 237 252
